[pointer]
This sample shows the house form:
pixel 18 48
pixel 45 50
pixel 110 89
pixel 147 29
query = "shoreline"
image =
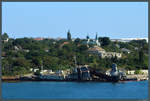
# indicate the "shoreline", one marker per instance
pixel 10 80
pixel 36 79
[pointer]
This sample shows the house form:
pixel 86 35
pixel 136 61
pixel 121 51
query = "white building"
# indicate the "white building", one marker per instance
pixel 111 54
pixel 102 53
pixel 145 72
pixel 131 72
pixel 34 70
pixel 6 40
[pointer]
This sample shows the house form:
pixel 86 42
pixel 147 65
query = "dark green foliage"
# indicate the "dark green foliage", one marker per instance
pixel 141 56
pixel 82 48
pixel 77 41
pixel 4 36
pixel 37 73
pixel 138 72
pixel 104 41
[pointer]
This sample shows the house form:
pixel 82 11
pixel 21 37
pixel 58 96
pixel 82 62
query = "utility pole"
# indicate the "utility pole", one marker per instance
pixel 42 66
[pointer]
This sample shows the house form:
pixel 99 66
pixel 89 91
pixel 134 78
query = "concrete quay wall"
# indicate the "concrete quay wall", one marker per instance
pixel 138 76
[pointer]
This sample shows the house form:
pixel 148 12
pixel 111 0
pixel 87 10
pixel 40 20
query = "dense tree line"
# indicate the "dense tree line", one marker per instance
pixel 59 54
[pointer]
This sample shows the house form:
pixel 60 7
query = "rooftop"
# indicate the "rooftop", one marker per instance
pixel 96 48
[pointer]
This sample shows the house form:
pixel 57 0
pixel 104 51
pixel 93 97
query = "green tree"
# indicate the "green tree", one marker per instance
pixel 138 72
pixel 77 41
pixel 82 48
pixel 141 57
pixel 4 36
pixel 105 41
pixel 37 62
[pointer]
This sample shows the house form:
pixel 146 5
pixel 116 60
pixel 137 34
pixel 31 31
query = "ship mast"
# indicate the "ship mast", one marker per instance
pixel 42 66
pixel 75 61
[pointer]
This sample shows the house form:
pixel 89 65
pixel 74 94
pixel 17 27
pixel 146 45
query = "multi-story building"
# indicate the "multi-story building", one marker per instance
pixel 102 53
pixel 111 54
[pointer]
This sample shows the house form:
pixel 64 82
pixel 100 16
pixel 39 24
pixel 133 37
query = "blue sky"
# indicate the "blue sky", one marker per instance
pixel 53 19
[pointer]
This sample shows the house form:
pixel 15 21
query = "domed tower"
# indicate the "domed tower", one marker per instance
pixel 88 39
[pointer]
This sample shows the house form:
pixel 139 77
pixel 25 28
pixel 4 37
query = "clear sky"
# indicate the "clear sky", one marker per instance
pixel 53 19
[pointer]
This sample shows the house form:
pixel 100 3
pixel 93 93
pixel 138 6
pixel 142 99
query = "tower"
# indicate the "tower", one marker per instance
pixel 96 40
pixel 96 37
pixel 69 35
pixel 88 39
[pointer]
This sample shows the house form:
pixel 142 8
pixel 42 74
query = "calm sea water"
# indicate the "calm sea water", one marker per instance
pixel 75 90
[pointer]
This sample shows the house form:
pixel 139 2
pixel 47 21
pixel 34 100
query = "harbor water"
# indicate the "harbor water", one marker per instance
pixel 75 90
